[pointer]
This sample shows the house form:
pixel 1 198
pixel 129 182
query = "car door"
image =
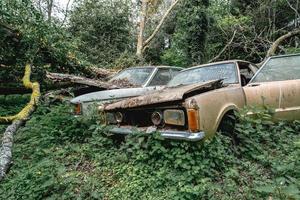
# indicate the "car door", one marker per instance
pixel 277 85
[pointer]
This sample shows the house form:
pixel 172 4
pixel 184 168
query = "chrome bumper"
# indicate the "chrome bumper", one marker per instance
pixel 168 134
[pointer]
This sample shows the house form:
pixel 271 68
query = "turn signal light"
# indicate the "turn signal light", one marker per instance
pixel 78 109
pixel 193 120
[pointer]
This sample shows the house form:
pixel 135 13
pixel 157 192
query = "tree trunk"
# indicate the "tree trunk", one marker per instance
pixel 143 17
pixel 17 121
pixel 141 44
pixel 6 149
pixel 49 9
pixel 157 29
pixel 68 78
pixel 277 42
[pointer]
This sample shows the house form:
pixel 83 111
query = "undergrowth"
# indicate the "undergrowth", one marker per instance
pixel 58 156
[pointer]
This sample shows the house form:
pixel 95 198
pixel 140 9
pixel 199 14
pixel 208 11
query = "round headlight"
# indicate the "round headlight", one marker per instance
pixel 101 108
pixel 119 117
pixel 156 118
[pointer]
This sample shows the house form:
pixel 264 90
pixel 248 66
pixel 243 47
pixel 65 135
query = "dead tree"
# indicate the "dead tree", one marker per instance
pixel 68 78
pixel 17 120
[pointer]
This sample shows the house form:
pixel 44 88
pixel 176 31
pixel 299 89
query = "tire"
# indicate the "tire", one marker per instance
pixel 227 127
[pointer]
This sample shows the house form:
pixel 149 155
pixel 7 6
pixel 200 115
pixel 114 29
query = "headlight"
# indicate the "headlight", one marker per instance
pixel 119 117
pixel 174 117
pixel 156 118
pixel 100 108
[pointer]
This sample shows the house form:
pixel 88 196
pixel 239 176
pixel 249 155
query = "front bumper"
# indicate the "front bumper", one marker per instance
pixel 168 134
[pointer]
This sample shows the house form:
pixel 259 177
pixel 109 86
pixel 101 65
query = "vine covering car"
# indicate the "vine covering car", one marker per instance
pixel 138 81
pixel 199 100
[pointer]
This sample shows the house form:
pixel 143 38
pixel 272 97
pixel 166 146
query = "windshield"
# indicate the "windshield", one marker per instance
pixel 135 76
pixel 227 72
pixel 279 69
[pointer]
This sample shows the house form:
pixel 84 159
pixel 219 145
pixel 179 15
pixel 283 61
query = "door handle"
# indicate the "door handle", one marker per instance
pixel 254 85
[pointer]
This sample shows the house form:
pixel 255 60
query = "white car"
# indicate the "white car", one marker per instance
pixel 145 79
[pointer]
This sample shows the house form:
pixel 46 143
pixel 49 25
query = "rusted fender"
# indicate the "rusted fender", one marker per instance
pixel 166 95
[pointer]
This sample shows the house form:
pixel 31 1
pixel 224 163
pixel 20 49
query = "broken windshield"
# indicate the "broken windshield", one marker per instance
pixel 227 72
pixel 135 76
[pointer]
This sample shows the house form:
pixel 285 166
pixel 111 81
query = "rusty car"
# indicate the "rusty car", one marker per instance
pixel 138 81
pixel 200 101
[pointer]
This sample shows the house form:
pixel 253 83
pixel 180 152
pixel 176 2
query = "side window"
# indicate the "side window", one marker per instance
pixel 280 69
pixel 246 72
pixel 162 77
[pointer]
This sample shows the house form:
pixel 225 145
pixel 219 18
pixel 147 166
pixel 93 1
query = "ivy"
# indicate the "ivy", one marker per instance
pixel 59 156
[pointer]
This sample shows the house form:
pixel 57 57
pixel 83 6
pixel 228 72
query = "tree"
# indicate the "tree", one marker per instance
pixel 187 43
pixel 142 43
pixel 106 33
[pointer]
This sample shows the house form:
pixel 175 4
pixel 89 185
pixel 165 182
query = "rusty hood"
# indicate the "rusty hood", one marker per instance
pixel 166 95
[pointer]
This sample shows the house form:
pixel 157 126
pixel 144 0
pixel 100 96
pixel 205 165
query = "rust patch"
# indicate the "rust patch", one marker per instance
pixel 166 95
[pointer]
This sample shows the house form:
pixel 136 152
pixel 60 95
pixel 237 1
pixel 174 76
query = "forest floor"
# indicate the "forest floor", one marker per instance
pixel 58 156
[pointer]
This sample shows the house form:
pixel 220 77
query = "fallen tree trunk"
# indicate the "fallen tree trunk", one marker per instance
pixel 17 120
pixel 6 149
pixel 101 73
pixel 277 42
pixel 68 78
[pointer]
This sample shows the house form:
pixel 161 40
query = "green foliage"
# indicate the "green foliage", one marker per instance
pixel 26 37
pixel 58 156
pixel 106 33
pixel 189 39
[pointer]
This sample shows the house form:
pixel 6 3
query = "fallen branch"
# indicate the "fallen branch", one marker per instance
pixel 57 77
pixel 17 121
pixel 101 73
pixel 277 42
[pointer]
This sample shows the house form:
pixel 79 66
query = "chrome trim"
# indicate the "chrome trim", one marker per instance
pixel 168 134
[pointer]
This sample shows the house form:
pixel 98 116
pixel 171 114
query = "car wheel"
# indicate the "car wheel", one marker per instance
pixel 227 127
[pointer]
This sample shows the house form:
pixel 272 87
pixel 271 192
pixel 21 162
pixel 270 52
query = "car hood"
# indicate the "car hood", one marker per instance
pixel 166 95
pixel 113 94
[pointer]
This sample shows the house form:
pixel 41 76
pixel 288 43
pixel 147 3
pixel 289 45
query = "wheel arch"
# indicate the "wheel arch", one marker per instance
pixel 229 109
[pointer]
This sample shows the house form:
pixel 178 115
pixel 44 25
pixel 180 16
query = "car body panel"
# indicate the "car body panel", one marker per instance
pixel 232 99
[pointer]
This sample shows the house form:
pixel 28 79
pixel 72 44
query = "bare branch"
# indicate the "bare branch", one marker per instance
pixel 160 24
pixel 226 46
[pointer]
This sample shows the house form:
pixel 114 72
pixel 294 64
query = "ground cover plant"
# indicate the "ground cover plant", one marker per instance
pixel 58 156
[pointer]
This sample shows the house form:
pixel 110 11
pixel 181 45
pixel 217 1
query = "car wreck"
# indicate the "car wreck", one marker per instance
pixel 135 81
pixel 199 101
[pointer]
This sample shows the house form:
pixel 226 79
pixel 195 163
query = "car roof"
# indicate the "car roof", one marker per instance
pixel 216 63
pixel 159 66
pixel 285 55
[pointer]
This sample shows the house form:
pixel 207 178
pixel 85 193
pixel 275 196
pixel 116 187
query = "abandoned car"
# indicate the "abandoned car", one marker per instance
pixel 199 100
pixel 139 80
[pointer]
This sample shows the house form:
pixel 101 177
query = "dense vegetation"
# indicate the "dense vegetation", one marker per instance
pixel 59 156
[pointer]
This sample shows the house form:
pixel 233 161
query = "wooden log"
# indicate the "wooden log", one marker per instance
pixel 57 77
pixel 6 148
